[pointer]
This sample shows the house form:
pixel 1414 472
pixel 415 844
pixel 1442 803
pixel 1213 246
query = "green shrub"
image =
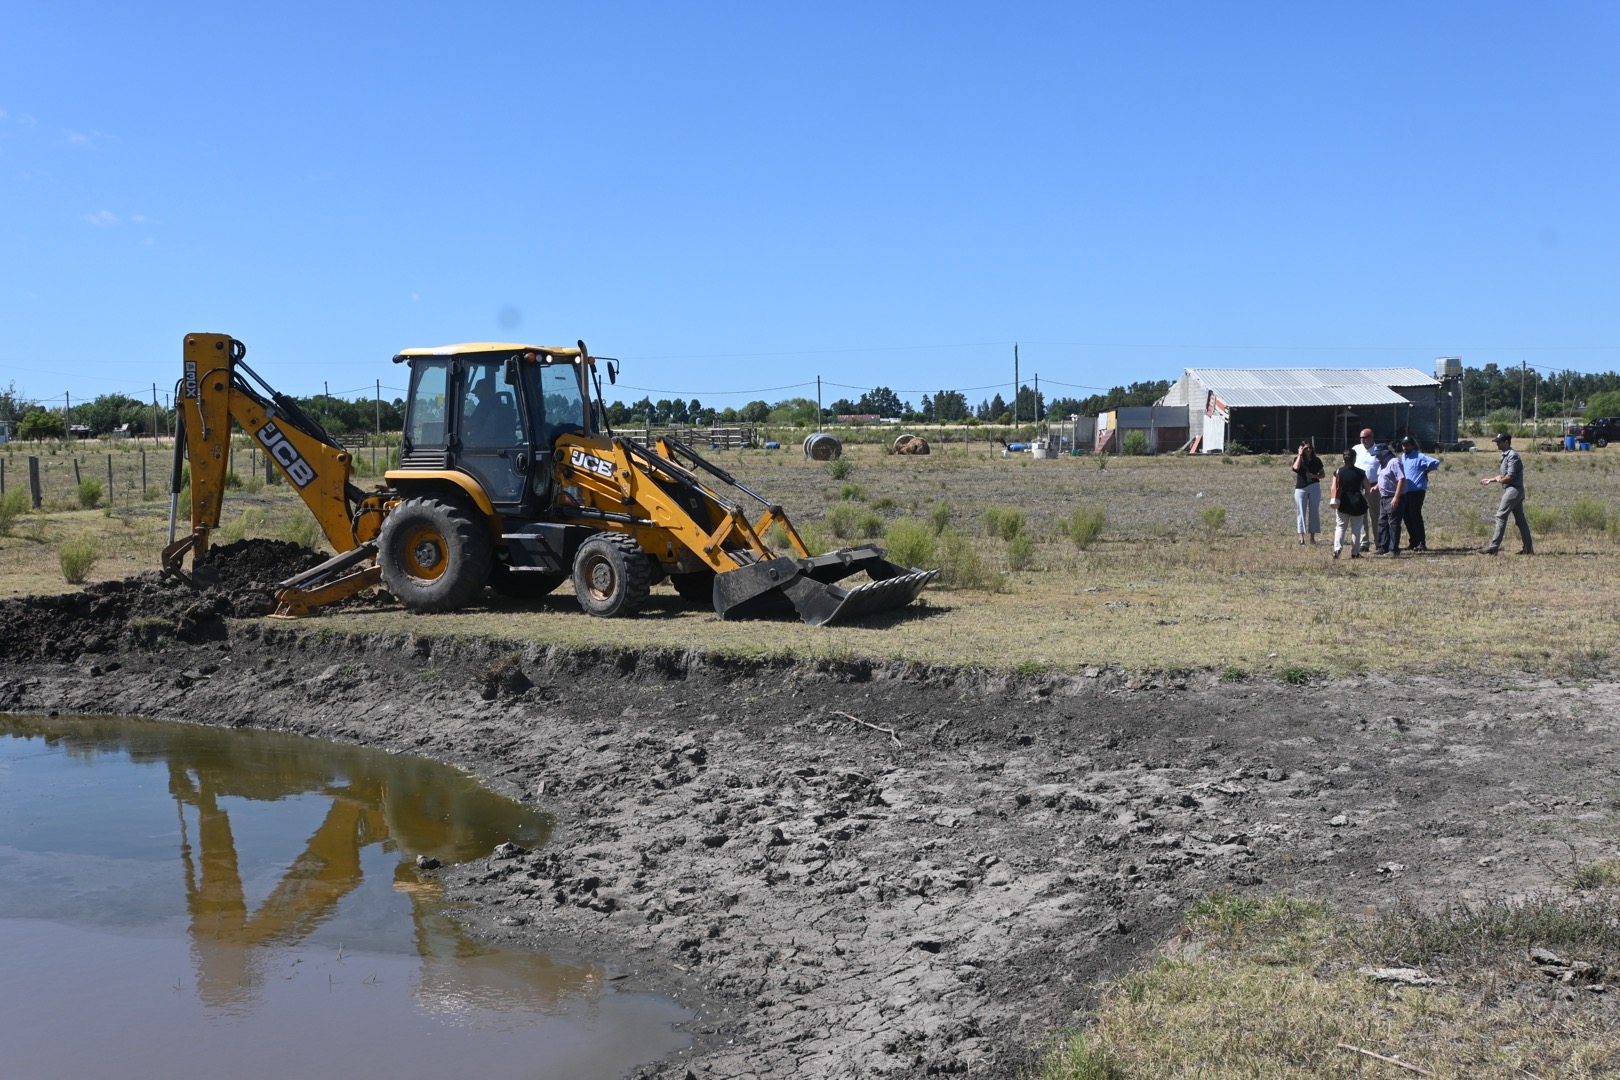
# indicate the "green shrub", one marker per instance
pixel 840 468
pixel 13 505
pixel 940 517
pixel 252 485
pixel 960 565
pixel 1543 520
pixel 77 557
pixel 233 482
pixel 843 520
pixel 1588 514
pixel 1135 444
pixel 302 529
pixel 870 526
pixel 1213 515
pixel 1021 552
pixel 912 543
pixel 1296 675
pixel 852 492
pixel 89 493
pixel 1003 523
pixel 1085 524
pixel 883 503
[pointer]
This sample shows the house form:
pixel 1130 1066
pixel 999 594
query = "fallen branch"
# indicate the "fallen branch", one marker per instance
pixel 886 730
pixel 1392 1061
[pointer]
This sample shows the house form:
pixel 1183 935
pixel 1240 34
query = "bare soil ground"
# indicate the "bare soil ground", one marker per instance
pixel 858 868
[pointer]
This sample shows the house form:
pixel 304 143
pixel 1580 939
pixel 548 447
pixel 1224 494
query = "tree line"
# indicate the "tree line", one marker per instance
pixel 1486 390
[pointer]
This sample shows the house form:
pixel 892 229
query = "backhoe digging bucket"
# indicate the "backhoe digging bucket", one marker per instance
pixel 807 585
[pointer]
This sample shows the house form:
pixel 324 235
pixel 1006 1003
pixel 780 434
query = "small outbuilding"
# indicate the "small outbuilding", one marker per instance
pixel 1274 410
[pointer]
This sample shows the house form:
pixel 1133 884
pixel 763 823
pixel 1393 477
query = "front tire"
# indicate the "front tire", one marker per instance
pixel 1600 442
pixel 611 576
pixel 434 554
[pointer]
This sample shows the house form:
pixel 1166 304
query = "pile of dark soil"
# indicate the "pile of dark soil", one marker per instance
pixel 150 607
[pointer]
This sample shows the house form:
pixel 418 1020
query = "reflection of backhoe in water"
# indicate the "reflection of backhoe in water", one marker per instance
pixel 398 803
pixel 227 935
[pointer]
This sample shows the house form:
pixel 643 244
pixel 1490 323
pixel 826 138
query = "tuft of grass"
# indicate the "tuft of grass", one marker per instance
pixel 89 493
pixel 843 520
pixel 1543 520
pixel 1588 514
pixel 77 557
pixel 1232 673
pixel 912 543
pixel 302 529
pixel 940 517
pixel 852 492
pixel 1296 675
pixel 883 503
pixel 1213 515
pixel 1021 552
pixel 1085 524
pixel 13 505
pixel 960 565
pixel 1603 874
pixel 841 468
pixel 1004 523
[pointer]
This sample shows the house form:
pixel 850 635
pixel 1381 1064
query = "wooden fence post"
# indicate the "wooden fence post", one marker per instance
pixel 33 481
pixel 143 475
pixel 109 478
pixel 77 479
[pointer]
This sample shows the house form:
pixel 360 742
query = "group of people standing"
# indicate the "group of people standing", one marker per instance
pixel 1377 491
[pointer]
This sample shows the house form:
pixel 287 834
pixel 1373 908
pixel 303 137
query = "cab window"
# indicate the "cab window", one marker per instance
pixel 429 382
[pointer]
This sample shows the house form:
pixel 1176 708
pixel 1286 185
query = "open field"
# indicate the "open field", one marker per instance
pixel 1159 589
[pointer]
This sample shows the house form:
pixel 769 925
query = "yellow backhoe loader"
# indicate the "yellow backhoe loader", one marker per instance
pixel 509 477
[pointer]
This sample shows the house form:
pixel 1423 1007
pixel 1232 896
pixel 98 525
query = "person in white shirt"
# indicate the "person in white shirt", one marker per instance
pixel 1367 462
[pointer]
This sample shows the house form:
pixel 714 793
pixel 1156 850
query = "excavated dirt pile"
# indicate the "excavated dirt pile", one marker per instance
pixel 149 607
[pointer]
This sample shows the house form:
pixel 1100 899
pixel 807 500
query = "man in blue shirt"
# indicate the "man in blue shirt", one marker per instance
pixel 1416 467
pixel 1511 477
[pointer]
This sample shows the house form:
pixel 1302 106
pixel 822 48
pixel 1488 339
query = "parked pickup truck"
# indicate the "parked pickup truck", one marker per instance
pixel 1602 431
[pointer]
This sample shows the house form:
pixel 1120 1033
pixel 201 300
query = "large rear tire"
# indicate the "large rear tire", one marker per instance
pixel 434 554
pixel 611 575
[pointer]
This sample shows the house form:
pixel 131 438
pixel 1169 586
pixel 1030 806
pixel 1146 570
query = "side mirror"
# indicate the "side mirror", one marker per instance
pixel 510 373
pixel 613 372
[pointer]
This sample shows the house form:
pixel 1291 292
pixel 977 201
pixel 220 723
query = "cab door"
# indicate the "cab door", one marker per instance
pixel 493 438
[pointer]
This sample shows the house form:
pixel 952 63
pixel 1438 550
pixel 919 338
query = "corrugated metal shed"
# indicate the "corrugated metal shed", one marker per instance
pixel 1247 388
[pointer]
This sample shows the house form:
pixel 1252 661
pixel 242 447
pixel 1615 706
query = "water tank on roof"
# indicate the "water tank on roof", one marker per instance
pixel 1448 367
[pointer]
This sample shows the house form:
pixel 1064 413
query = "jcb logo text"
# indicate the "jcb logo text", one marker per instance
pixel 579 459
pixel 286 454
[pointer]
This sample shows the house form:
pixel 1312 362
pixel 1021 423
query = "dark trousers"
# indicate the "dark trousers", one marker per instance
pixel 1412 518
pixel 1389 525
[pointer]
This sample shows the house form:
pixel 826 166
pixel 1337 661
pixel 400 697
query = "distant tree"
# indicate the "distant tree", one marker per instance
pixel 755 412
pixel 1604 403
pixel 1031 406
pixel 40 424
pixel 842 407
pixel 728 415
pixel 800 412
pixel 951 407
pixel 880 400
pixel 13 406
pixel 1064 407
pixel 998 409
pixel 927 410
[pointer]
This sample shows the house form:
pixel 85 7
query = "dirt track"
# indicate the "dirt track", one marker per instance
pixel 840 902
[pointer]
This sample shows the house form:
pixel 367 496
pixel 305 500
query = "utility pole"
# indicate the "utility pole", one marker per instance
pixel 1524 367
pixel 379 409
pixel 1015 385
pixel 1037 397
pixel 67 416
pixel 154 417
pixel 818 402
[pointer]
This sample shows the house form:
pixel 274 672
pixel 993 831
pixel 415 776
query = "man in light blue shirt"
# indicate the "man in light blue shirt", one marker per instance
pixel 1416 467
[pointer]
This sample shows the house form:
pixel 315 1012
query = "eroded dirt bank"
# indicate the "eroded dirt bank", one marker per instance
pixel 840 902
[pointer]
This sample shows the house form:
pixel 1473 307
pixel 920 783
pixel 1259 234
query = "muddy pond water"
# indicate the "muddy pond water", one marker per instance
pixel 181 901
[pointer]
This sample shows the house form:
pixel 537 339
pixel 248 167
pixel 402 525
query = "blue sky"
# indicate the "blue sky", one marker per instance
pixel 735 199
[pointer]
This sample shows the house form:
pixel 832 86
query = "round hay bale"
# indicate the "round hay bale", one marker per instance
pixel 822 447
pixel 911 444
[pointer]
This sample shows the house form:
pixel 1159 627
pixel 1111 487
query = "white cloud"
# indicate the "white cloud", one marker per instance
pixel 101 217
pixel 87 138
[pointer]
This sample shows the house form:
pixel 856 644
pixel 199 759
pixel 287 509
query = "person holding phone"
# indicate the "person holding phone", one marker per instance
pixel 1308 473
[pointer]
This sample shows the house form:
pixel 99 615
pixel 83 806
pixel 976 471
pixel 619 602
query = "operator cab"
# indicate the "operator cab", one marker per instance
pixel 494 411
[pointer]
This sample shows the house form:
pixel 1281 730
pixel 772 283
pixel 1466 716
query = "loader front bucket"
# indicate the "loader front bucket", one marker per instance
pixel 806 585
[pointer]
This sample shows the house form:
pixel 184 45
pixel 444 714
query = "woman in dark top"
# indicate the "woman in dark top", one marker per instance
pixel 1349 502
pixel 1308 473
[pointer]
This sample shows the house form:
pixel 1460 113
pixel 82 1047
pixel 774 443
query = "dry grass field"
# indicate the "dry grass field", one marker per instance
pixel 1195 565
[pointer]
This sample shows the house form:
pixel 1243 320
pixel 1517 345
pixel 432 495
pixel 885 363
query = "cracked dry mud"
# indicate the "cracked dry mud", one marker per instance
pixel 837 902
